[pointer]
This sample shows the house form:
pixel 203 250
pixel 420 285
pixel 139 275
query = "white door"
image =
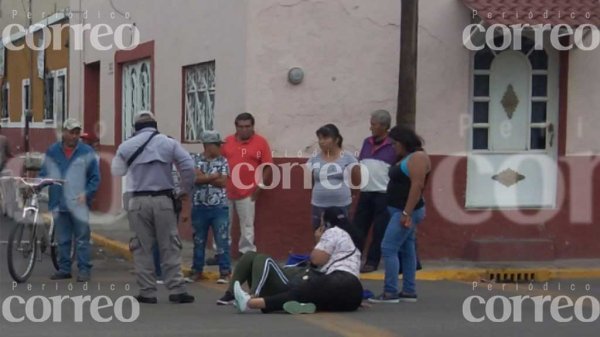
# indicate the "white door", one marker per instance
pixel 512 163
pixel 136 91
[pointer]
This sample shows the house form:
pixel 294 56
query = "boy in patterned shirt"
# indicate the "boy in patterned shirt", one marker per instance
pixel 210 206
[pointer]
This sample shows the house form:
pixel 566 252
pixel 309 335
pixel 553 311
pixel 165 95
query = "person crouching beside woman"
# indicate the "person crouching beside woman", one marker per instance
pixel 333 285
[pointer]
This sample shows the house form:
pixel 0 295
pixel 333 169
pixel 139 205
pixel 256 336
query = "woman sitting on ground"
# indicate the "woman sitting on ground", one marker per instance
pixel 336 285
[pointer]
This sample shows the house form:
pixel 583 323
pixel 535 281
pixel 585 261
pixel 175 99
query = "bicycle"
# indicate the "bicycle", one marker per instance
pixel 25 242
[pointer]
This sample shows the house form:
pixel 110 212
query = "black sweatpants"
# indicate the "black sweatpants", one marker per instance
pixel 338 291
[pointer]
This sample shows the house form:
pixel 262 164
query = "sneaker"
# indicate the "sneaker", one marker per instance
pixel 60 276
pixel 385 298
pixel 181 298
pixel 297 308
pixel 241 297
pixel 367 268
pixel 146 300
pixel 223 279
pixel 82 278
pixel 195 277
pixel 404 297
pixel 212 261
pixel 227 299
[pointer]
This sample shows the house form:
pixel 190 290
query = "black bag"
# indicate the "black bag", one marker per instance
pixel 128 195
pixel 312 273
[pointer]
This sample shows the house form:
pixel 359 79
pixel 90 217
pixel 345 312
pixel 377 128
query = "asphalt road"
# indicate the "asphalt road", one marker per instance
pixel 439 311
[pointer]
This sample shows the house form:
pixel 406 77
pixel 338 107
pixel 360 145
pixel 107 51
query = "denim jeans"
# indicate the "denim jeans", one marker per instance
pixel 216 218
pixel 68 226
pixel 399 239
pixel 372 211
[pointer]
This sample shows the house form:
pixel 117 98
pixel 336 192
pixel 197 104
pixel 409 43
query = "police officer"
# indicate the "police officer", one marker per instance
pixel 150 208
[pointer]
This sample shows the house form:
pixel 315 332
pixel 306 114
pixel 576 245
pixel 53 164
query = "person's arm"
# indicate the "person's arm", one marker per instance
pixel 355 176
pixel 221 178
pixel 185 165
pixel 267 171
pixel 44 170
pixel 322 252
pixel 418 167
pixel 93 178
pixel 118 166
pixel 203 178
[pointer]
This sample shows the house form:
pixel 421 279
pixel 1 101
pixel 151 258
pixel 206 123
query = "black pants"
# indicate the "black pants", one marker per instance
pixel 372 210
pixel 338 291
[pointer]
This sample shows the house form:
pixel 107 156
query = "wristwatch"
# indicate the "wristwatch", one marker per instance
pixel 405 214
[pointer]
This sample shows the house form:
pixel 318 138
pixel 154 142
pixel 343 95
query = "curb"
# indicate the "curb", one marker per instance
pixel 457 274
pixel 122 249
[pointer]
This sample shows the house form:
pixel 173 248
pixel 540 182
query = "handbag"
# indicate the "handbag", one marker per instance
pixel 312 273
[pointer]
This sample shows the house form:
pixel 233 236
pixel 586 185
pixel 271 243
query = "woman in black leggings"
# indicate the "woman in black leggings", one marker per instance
pixel 335 287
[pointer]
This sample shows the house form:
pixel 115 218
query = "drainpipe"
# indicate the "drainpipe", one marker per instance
pixel 407 79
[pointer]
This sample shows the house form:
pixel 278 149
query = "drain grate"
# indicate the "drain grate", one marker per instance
pixel 512 277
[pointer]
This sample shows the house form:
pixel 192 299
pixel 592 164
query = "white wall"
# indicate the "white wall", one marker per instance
pixel 443 76
pixel 184 33
pixel 583 111
pixel 349 50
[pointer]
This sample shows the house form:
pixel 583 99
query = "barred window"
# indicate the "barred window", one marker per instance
pixel 199 91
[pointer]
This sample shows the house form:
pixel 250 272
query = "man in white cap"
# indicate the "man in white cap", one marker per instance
pixel 147 159
pixel 76 163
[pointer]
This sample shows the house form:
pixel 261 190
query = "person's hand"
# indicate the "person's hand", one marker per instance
pixel 406 221
pixel 81 199
pixel 255 194
pixel 319 232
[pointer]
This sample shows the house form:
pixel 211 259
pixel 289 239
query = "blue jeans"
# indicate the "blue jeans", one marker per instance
pixel 216 218
pixel 399 239
pixel 69 226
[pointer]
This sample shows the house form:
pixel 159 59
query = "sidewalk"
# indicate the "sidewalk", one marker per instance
pixel 112 233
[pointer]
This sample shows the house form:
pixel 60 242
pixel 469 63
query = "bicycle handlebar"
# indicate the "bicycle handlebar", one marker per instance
pixel 36 183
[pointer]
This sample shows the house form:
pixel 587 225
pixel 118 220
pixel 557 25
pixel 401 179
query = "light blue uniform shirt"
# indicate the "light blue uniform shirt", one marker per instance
pixel 152 169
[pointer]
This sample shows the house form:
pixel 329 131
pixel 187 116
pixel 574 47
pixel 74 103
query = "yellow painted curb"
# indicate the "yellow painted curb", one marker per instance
pixel 122 249
pixel 466 274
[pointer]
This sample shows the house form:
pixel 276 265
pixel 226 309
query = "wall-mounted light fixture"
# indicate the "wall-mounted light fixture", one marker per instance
pixel 295 75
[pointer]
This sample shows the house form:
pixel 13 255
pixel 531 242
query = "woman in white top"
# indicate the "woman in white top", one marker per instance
pixel 336 287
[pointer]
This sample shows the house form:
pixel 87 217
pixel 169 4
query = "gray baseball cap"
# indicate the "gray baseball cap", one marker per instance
pixel 143 115
pixel 71 124
pixel 211 137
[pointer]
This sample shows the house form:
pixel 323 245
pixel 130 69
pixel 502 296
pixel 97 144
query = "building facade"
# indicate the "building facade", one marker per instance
pixel 511 132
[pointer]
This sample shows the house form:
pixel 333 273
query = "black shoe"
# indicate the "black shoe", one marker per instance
pixel 227 299
pixel 403 297
pixel 147 300
pixel 212 261
pixel 83 278
pixel 181 298
pixel 368 268
pixel 60 276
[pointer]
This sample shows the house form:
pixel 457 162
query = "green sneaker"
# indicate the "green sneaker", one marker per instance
pixel 296 308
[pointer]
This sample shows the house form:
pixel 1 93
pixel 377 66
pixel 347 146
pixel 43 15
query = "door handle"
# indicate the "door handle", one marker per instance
pixel 551 134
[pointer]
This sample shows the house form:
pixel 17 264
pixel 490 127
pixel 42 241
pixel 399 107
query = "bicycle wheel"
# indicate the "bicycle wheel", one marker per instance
pixel 21 251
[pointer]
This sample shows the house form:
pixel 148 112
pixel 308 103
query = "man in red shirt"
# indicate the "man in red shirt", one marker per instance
pixel 249 156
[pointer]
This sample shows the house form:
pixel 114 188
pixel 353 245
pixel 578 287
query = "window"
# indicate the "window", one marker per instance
pixel 55 96
pixel 5 114
pixel 199 91
pixel 538 123
pixel 136 92
pixel 25 98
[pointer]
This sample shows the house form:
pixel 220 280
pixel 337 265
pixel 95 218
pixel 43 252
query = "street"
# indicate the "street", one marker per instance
pixel 439 310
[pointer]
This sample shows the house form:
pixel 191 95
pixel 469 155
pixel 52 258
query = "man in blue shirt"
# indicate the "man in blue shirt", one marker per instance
pixel 76 163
